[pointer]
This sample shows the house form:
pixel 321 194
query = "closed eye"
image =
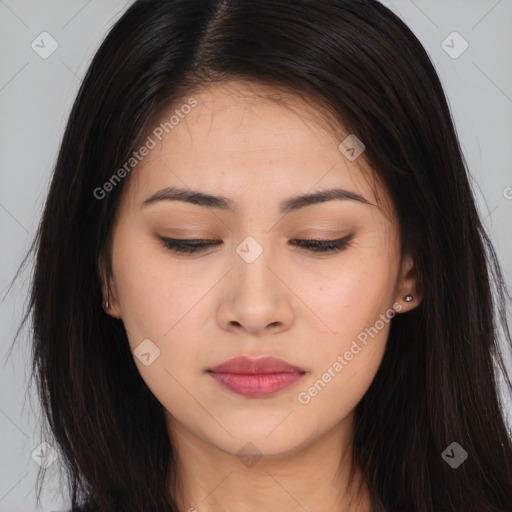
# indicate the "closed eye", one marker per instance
pixel 198 245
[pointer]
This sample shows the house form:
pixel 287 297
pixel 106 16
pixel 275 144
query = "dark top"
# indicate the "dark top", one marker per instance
pixel 80 509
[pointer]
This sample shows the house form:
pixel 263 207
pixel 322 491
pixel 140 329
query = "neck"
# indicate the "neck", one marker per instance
pixel 312 477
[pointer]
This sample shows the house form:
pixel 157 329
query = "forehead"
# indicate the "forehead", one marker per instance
pixel 250 117
pixel 242 137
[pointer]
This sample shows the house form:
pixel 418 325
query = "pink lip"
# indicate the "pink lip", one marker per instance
pixel 256 377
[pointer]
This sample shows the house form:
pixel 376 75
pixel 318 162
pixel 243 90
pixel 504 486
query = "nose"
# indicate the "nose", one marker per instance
pixel 257 296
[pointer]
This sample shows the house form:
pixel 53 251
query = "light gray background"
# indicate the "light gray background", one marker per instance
pixel 36 95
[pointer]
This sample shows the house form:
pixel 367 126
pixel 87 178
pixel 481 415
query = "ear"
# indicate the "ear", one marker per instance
pixel 408 283
pixel 108 291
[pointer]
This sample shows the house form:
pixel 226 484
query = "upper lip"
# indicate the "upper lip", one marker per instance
pixel 261 365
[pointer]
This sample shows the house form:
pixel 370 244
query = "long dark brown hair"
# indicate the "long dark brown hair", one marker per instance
pixel 438 381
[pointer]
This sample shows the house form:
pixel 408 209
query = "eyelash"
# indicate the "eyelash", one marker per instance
pixel 200 245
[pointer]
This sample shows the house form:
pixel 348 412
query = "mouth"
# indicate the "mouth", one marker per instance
pixel 256 378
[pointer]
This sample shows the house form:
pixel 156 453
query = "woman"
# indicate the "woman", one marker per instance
pixel 261 280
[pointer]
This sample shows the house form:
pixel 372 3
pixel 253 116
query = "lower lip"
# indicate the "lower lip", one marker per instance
pixel 256 385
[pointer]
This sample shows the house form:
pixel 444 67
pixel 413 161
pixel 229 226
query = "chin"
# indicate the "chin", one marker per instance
pixel 255 443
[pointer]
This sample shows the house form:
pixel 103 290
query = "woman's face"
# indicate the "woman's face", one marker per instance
pixel 255 291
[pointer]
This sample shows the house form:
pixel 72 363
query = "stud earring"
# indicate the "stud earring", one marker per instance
pixel 107 305
pixel 408 298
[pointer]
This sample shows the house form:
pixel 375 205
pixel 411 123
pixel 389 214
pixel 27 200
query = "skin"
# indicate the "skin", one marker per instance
pixel 304 307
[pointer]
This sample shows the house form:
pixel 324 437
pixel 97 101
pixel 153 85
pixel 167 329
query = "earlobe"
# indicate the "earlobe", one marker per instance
pixel 407 290
pixel 109 305
pixel 109 308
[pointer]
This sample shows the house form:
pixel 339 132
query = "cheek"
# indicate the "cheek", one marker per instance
pixel 152 296
pixel 354 306
pixel 346 361
pixel 352 295
pixel 331 395
pixel 158 306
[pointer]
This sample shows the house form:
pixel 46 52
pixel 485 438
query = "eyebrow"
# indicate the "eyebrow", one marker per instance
pixel 226 204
